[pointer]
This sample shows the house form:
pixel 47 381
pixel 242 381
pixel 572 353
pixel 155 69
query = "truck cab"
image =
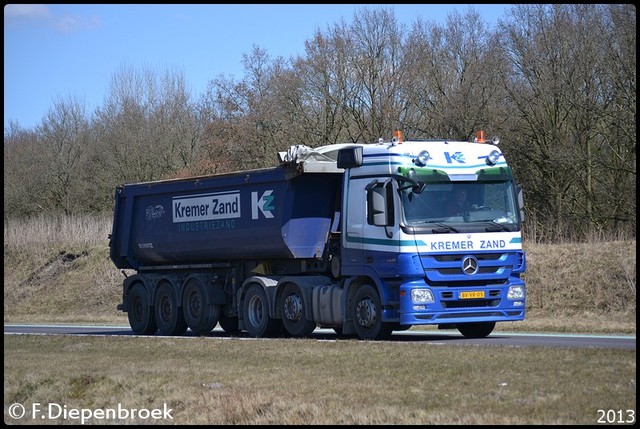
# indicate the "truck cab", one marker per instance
pixel 432 264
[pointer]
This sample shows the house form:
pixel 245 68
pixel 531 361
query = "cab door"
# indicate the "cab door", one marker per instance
pixel 381 244
pixel 354 210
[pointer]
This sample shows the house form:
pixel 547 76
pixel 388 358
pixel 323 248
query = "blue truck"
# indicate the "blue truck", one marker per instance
pixel 363 239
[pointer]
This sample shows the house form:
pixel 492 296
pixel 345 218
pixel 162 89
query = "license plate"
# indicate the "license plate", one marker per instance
pixel 472 295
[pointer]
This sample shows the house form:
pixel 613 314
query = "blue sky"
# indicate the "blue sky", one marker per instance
pixel 67 50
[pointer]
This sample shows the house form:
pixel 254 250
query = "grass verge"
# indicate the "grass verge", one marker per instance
pixel 306 381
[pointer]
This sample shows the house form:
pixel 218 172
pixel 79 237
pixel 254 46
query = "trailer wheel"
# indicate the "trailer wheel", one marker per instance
pixel 256 314
pixel 476 329
pixel 168 315
pixel 140 313
pixel 294 316
pixel 200 315
pixel 366 312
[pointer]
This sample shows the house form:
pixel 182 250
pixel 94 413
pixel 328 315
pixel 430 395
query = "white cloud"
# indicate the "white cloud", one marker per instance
pixel 69 23
pixel 63 23
pixel 26 11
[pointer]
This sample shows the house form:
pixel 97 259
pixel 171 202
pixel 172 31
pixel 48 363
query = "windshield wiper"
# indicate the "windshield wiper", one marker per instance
pixel 495 226
pixel 444 228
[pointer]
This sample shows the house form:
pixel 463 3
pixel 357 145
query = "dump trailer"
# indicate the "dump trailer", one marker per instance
pixel 358 238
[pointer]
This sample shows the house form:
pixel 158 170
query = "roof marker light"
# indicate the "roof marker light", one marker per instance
pixel 397 137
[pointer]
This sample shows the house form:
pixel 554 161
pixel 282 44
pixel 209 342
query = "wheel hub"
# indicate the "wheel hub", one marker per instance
pixel 194 305
pixel 165 309
pixel 366 313
pixel 293 307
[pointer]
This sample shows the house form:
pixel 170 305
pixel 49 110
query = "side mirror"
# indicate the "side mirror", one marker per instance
pixel 521 203
pixel 350 157
pixel 380 204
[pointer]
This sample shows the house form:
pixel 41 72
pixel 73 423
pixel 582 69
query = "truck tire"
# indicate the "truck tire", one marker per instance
pixel 255 311
pixel 140 312
pixel 293 312
pixel 201 316
pixel 169 317
pixel 366 313
pixel 476 329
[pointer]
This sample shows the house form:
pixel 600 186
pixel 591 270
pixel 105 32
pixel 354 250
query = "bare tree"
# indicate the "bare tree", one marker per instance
pixel 64 137
pixel 563 94
pixel 351 80
pixel 148 124
pixel 454 84
pixel 616 35
pixel 247 119
pixel 377 74
pixel 23 184
pixel 325 84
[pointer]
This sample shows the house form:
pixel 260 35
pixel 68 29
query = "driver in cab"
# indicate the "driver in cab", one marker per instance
pixel 459 204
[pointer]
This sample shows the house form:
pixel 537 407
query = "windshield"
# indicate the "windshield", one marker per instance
pixel 462 203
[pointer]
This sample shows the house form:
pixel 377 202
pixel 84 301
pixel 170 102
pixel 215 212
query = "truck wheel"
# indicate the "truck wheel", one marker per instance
pixel 140 312
pixel 476 329
pixel 255 310
pixel 366 312
pixel 201 317
pixel 168 315
pixel 293 312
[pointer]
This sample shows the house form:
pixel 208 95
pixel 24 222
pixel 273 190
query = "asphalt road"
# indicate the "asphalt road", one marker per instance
pixel 448 337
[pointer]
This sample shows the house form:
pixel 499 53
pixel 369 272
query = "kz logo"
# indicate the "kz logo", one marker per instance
pixel 458 156
pixel 264 204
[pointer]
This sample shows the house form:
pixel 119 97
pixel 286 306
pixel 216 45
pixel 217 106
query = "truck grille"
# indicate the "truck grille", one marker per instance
pixel 494 269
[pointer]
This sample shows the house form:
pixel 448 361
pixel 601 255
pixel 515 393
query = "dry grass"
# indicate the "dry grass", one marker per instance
pixel 234 381
pixel 87 231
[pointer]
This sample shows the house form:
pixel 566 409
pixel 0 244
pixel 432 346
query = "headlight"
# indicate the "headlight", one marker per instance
pixel 493 157
pixel 516 292
pixel 424 296
pixel 422 158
